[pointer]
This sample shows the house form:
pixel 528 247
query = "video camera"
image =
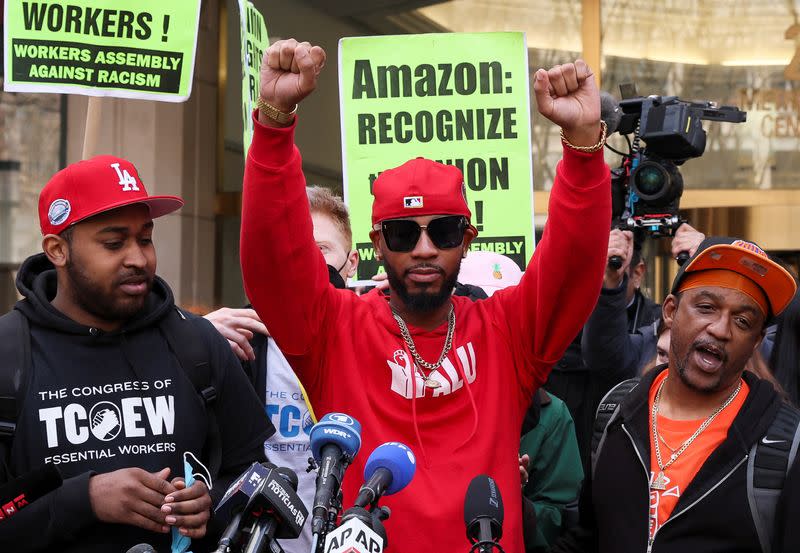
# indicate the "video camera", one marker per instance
pixel 646 188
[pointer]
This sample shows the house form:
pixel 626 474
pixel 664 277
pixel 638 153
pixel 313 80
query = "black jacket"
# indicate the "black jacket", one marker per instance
pixel 712 515
pixel 581 386
pixel 97 402
pixel 609 345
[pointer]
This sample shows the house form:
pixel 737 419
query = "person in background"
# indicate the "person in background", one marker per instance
pixel 284 398
pixel 608 344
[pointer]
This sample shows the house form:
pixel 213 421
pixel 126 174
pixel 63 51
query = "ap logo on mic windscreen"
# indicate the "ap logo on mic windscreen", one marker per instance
pixel 105 419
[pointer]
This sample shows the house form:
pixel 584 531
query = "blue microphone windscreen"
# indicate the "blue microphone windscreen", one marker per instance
pixel 339 429
pixel 398 459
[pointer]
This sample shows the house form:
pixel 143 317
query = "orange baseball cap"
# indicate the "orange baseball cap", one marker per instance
pixel 746 259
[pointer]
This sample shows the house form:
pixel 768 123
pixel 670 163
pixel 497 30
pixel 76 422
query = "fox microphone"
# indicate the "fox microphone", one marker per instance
pixel 236 498
pixel 483 514
pixel 389 469
pixel 275 511
pixel 19 492
pixel 335 440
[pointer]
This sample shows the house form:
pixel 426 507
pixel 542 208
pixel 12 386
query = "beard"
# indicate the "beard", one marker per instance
pixel 91 295
pixel 423 302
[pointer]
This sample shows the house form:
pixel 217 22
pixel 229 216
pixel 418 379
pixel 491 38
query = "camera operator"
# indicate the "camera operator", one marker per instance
pixel 609 344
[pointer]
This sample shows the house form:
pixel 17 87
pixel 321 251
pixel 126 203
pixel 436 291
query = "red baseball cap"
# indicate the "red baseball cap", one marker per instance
pixel 419 187
pixel 94 186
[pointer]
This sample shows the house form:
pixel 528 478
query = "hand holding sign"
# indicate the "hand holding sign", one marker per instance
pixel 567 95
pixel 289 73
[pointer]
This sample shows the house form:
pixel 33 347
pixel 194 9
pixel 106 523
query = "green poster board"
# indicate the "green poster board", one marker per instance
pixel 254 41
pixel 124 48
pixel 461 99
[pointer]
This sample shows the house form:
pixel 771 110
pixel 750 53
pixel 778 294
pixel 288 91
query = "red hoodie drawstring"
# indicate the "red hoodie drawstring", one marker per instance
pixel 422 454
pixel 460 369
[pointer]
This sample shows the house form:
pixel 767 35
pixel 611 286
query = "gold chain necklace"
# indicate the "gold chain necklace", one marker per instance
pixel 660 481
pixel 419 361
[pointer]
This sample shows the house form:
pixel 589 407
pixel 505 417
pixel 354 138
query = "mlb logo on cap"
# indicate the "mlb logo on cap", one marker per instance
pixel 413 202
pixel 94 186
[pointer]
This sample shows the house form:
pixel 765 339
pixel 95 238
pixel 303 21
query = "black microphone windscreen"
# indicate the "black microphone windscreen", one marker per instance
pixel 610 111
pixel 483 500
pixel 141 548
pixel 289 475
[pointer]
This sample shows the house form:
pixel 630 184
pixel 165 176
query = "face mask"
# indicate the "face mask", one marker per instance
pixel 335 277
pixel 181 543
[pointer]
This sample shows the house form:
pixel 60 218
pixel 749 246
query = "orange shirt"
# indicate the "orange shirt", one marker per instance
pixel 672 435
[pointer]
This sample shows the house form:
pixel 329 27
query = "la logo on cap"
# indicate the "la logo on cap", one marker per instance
pixel 412 202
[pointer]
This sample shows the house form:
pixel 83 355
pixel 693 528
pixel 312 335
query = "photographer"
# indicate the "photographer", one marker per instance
pixel 609 344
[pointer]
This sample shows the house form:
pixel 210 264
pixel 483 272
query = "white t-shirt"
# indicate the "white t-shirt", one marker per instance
pixel 289 446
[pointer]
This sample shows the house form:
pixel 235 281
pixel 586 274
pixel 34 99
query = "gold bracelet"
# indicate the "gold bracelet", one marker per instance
pixel 280 117
pixel 588 149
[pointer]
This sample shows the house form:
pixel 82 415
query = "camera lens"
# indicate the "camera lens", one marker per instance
pixel 650 180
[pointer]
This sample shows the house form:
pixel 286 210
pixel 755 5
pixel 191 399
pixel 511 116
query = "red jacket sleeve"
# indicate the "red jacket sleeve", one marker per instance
pixel 278 253
pixel 559 289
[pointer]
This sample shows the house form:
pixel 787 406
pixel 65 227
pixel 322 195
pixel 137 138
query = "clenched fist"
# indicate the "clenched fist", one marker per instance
pixel 289 73
pixel 567 95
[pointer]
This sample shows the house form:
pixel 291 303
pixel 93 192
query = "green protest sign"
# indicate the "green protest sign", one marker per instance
pixel 254 41
pixel 123 48
pixel 461 99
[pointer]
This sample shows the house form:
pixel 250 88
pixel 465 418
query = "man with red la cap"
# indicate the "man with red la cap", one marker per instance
pixel 699 454
pixel 448 377
pixel 94 379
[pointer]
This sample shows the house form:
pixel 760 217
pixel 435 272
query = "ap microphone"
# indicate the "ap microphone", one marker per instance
pixel 483 514
pixel 389 469
pixel 16 494
pixel 335 440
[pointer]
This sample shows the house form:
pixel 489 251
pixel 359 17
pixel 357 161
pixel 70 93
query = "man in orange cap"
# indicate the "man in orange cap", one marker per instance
pixel 695 457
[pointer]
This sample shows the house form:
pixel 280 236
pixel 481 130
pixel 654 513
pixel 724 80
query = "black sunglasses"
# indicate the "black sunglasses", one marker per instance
pixel 402 235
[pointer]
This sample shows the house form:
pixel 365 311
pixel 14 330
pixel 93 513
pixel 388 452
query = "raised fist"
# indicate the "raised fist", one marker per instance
pixel 289 73
pixel 567 95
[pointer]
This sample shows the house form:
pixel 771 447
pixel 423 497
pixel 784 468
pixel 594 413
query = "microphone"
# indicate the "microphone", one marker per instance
pixel 18 493
pixel 389 469
pixel 236 497
pixel 483 514
pixel 141 548
pixel 274 511
pixel 335 440
pixel 358 533
pixel 610 112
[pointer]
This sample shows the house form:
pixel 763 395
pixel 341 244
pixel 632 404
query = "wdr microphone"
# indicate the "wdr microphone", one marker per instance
pixel 389 469
pixel 29 487
pixel 483 514
pixel 335 440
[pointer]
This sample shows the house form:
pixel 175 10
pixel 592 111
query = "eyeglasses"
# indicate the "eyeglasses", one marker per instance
pixel 402 235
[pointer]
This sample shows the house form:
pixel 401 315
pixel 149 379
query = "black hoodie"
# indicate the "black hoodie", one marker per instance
pixel 98 402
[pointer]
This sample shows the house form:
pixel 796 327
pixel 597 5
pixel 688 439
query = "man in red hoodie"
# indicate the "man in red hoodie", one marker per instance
pixel 449 377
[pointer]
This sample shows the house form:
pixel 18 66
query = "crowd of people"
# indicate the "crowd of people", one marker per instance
pixel 608 423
